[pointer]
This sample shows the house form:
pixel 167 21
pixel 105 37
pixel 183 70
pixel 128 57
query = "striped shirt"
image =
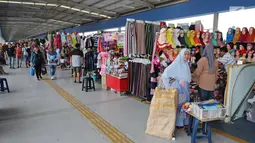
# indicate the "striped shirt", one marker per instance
pixel 226 60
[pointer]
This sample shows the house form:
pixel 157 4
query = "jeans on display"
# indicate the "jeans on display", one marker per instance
pixel 12 61
pixel 206 95
pixel 52 70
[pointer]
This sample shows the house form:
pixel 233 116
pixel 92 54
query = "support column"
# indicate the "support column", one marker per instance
pixel 215 21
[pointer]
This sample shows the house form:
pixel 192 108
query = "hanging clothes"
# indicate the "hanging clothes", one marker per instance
pixel 63 38
pixel 57 41
pixel 74 41
pixel 140 37
pixel 78 38
pixel 130 41
pixel 69 40
pixel 149 38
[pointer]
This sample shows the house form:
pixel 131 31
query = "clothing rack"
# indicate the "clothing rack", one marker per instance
pixel 139 77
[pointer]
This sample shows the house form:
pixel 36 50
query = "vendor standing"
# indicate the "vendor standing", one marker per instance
pixel 206 73
pixel 76 61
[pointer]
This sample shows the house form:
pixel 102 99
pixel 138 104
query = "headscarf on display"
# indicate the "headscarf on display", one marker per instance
pixel 181 38
pixel 169 37
pixel 202 37
pixel 243 36
pixel 220 39
pixel 186 38
pixel 197 38
pixel 176 36
pixel 191 37
pixel 230 35
pixel 178 70
pixel 237 35
pixel 207 39
pixel 214 41
pixel 209 54
pixel 162 41
pixel 251 35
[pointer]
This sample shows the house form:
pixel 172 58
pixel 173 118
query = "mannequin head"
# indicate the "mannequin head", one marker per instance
pixel 251 30
pixel 197 34
pixel 235 47
pixel 229 31
pixel 249 47
pixel 233 54
pixel 181 33
pixel 238 30
pixel 219 36
pixel 229 47
pixel 244 31
pixel 244 55
pixel 238 53
pixel 250 54
pixel 203 35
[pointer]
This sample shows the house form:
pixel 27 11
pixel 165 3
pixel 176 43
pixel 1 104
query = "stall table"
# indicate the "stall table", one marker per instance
pixel 206 127
pixel 117 83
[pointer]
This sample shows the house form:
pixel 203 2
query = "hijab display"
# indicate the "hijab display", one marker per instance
pixel 176 36
pixel 244 35
pixel 197 38
pixel 237 35
pixel 181 37
pixel 230 35
pixel 202 37
pixel 162 41
pixel 169 36
pixel 251 35
pixel 186 38
pixel 214 39
pixel 191 37
pixel 220 39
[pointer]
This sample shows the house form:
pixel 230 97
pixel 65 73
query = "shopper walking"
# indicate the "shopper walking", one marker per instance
pixel 206 73
pixel 178 75
pixel 36 62
pixel 226 58
pixel 27 54
pixel 19 55
pixel 52 61
pixel 76 60
pixel 11 55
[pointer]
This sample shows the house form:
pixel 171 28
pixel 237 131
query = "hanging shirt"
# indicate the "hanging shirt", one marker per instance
pixel 63 38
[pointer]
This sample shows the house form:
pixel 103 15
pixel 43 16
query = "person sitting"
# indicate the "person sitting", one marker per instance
pixel 226 58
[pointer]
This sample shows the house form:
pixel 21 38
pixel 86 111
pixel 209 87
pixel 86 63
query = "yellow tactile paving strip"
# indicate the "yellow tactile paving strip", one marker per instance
pixel 113 134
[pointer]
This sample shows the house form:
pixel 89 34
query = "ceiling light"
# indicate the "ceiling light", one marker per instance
pixel 44 4
pixel 15 2
pixel 85 11
pixel 109 17
pixel 51 4
pixel 63 6
pixel 4 1
pixel 76 9
pixel 93 13
pixel 30 3
pixel 103 15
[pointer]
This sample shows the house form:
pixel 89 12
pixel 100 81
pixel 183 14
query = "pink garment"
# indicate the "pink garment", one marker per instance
pixel 153 54
pixel 57 41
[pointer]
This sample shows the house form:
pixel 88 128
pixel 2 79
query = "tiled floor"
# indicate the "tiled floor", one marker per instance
pixel 34 113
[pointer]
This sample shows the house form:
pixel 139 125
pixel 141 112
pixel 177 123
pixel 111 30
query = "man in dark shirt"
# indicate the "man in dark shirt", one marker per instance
pixel 11 55
pixel 76 61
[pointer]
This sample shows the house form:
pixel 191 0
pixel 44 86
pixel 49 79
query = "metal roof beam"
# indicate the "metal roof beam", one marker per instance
pixel 149 5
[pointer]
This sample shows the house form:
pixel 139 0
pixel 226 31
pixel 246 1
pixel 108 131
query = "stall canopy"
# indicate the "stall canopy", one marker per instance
pixel 26 18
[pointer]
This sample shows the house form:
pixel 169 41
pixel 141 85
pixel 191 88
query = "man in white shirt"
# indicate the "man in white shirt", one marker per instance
pixel 76 61
pixel 226 58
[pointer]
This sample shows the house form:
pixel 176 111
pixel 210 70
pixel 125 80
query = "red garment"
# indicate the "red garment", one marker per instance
pixel 19 52
pixel 251 37
pixel 242 50
pixel 100 47
pixel 57 41
pixel 197 39
pixel 243 36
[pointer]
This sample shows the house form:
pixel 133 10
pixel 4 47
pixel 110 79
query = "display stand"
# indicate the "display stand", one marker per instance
pixel 117 83
pixel 206 127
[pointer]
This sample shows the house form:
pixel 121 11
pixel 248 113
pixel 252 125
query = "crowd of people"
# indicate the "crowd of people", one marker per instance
pixel 37 56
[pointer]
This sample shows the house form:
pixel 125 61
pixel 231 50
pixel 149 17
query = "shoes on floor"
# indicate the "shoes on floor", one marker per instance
pixel 52 78
pixel 80 82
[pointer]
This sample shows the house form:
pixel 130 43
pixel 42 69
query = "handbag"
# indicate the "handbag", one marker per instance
pixel 32 71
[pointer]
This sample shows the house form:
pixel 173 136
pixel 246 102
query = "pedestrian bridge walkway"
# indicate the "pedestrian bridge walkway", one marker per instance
pixel 58 111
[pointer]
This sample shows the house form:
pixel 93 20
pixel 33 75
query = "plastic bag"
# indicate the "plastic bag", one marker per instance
pixel 162 117
pixel 32 71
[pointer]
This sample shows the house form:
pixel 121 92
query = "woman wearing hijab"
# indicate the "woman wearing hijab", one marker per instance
pixel 178 75
pixel 230 35
pixel 206 73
